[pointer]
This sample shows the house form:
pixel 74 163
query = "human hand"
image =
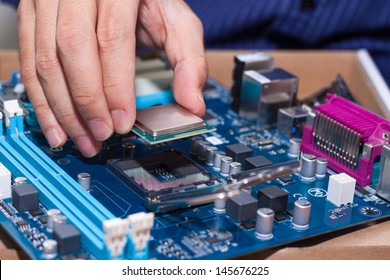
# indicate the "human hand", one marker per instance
pixel 78 63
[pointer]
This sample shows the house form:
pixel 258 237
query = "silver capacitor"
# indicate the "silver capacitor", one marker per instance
pixel 84 180
pixel 20 181
pixel 59 219
pixel 195 144
pixel 50 217
pixel 225 165
pixel 264 223
pixel 220 205
pixel 50 248
pixel 309 167
pixel 294 147
pixel 210 155
pixel 321 167
pixel 202 150
pixel 301 214
pixel 235 167
pixel 218 155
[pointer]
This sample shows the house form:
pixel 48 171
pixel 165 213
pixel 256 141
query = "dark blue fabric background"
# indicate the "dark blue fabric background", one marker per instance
pixel 12 2
pixel 296 24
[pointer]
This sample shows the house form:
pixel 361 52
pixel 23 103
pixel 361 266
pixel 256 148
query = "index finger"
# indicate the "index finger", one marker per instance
pixel 77 44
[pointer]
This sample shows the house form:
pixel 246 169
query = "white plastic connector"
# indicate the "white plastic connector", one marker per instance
pixel 19 89
pixel 341 189
pixel 140 225
pixel 11 109
pixel 115 238
pixel 5 181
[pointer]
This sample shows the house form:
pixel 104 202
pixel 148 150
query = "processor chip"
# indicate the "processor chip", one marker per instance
pixel 168 122
pixel 160 173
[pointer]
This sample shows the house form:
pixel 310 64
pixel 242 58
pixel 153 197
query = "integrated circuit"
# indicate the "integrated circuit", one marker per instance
pixel 168 122
pixel 160 173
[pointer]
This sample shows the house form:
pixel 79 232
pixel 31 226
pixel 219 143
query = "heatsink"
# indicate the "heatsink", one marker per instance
pixel 348 136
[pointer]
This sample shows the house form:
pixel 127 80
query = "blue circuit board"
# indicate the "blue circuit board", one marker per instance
pixel 196 232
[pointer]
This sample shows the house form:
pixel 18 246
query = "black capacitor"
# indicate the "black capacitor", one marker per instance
pixel 128 149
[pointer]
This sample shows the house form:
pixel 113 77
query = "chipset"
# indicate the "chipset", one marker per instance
pixel 161 173
pixel 168 122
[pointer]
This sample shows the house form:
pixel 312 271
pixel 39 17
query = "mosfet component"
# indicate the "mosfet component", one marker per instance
pixel 68 238
pixel 242 207
pixel 238 152
pixel 25 197
pixel 348 136
pixel 263 94
pixel 274 198
pixel 256 162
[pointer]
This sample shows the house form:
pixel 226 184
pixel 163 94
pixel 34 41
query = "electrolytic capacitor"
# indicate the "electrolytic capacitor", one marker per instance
pixel 128 149
pixel 322 167
pixel 309 167
pixel 84 180
pixel 50 217
pixel 264 223
pixel 202 150
pixel 195 145
pixel 218 155
pixel 225 165
pixel 20 181
pixel 294 147
pixel 220 205
pixel 59 219
pixel 301 214
pixel 235 167
pixel 210 155
pixel 50 248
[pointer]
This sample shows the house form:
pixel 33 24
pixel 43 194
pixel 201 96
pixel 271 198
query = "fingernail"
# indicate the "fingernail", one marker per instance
pixel 121 121
pixel 54 138
pixel 100 130
pixel 200 96
pixel 86 146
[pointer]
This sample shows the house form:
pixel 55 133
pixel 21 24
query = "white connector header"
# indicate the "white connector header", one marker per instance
pixel 11 109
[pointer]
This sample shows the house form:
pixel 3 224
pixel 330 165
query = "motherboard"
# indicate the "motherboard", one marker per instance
pixel 259 170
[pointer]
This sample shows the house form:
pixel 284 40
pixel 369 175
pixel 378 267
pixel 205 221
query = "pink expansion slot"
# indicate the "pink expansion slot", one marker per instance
pixel 348 136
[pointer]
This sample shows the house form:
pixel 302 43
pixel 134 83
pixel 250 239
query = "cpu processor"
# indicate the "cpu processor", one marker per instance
pixel 168 122
pixel 160 173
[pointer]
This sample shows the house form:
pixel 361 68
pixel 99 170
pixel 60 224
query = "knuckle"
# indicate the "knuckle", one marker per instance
pixel 46 63
pixel 42 109
pixel 70 36
pixel 85 101
pixel 110 33
pixel 66 119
